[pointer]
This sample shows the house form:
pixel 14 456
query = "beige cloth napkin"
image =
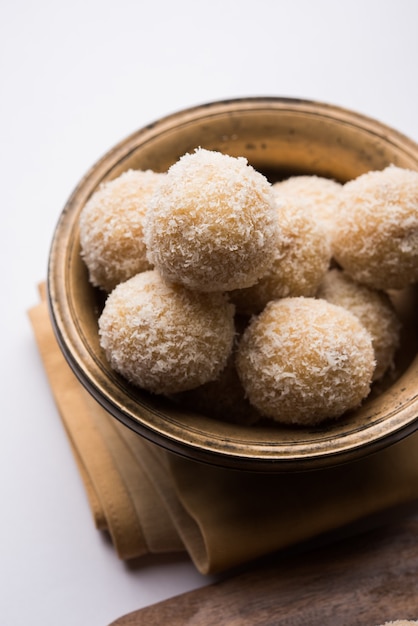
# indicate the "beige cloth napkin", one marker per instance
pixel 152 501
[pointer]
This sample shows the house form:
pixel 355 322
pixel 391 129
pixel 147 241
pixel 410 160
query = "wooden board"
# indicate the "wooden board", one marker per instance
pixel 363 581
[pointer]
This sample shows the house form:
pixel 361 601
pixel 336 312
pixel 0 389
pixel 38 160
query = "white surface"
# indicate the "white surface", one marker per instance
pixel 76 78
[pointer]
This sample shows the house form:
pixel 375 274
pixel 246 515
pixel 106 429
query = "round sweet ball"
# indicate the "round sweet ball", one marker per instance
pixel 222 399
pixel 301 259
pixel 212 223
pixel 320 193
pixel 376 235
pixel 111 228
pixel 163 337
pixel 303 361
pixel 373 308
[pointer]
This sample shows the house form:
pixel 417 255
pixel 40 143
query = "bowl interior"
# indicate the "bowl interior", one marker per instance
pixel 279 137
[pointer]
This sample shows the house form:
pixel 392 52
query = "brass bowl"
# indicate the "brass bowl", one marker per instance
pixel 279 137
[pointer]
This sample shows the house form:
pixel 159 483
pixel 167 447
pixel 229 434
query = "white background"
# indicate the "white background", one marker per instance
pixel 75 78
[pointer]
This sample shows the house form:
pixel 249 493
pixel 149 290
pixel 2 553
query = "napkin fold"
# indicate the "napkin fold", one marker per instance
pixel 152 501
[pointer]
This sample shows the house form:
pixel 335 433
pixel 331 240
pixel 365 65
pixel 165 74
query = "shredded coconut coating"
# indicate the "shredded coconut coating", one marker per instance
pixel 373 308
pixel 212 224
pixel 302 257
pixel 376 235
pixel 165 338
pixel 321 195
pixel 111 228
pixel 304 360
pixel 223 398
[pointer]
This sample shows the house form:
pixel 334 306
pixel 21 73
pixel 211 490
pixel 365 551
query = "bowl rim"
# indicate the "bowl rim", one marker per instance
pixel 224 450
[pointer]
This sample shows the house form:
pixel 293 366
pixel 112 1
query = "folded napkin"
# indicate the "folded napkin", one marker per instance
pixel 152 501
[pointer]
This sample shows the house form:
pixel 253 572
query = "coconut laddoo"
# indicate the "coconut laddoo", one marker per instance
pixel 111 228
pixel 376 232
pixel 320 194
pixel 303 361
pixel 223 398
pixel 212 224
pixel 373 308
pixel 301 259
pixel 164 338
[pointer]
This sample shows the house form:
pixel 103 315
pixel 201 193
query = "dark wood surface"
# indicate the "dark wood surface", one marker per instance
pixel 364 580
